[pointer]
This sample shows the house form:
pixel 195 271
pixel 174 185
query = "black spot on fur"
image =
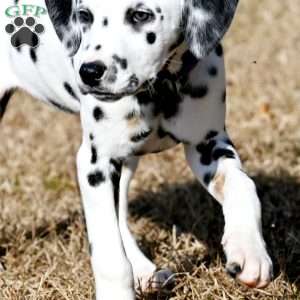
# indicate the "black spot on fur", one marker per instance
pixel 140 136
pixel 115 177
pixel 211 134
pixel 163 94
pixel 151 37
pixel 213 71
pixel 195 91
pixel 98 113
pixel 144 98
pixel 226 153
pixel 94 157
pixel 117 164
pixel 96 178
pixel 219 50
pixel 189 62
pixel 91 137
pixel 205 150
pixel 207 178
pixel 69 44
pixel 70 91
pixel 98 47
pixel 121 61
pixel 105 22
pixel 167 99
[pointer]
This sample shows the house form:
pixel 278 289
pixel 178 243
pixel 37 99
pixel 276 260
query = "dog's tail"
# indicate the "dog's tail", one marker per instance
pixel 4 101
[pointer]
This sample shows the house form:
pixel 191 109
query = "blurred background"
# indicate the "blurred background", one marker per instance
pixel 42 238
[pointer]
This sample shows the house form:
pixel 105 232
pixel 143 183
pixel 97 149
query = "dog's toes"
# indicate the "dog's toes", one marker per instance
pixel 162 278
pixel 156 281
pixel 248 260
pixel 233 269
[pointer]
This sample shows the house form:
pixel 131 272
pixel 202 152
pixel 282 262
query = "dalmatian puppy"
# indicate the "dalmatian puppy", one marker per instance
pixel 144 75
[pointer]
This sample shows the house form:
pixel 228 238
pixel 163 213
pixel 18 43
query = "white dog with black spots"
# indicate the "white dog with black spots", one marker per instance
pixel 144 75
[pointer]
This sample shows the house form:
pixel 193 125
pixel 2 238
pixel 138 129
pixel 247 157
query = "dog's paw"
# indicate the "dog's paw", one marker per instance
pixel 151 282
pixel 247 259
pixel 114 292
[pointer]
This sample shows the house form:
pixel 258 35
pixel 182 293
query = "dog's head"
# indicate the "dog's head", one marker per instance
pixel 119 45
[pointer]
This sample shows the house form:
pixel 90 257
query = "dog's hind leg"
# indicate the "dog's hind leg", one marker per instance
pixel 146 276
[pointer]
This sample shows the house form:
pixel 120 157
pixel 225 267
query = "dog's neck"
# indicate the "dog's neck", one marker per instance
pixel 179 65
pixel 171 79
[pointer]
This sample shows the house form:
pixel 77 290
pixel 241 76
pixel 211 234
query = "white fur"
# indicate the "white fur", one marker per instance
pixel 116 258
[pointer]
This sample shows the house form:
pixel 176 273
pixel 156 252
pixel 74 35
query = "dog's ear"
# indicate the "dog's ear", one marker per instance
pixel 64 18
pixel 205 22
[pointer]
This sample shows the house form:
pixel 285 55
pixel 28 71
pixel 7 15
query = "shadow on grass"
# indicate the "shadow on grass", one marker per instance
pixel 194 211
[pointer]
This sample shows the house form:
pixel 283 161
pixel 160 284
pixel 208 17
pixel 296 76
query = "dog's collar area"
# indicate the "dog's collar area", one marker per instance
pixel 165 84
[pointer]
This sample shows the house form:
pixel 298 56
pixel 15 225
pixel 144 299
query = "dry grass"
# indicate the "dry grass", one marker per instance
pixel 42 238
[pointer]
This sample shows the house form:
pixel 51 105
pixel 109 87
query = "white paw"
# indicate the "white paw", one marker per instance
pixel 154 281
pixel 113 292
pixel 247 259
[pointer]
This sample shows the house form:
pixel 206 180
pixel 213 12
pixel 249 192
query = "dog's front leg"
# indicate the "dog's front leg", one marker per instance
pixel 147 277
pixel 216 164
pixel 112 270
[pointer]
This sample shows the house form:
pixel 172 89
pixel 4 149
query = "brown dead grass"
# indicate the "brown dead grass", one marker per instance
pixel 42 238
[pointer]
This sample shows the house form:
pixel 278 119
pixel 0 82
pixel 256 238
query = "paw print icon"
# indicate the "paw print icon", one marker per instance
pixel 24 32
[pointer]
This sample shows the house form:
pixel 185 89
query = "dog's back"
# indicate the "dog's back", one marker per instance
pixel 44 70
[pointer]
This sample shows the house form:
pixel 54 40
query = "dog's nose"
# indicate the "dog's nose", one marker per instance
pixel 91 73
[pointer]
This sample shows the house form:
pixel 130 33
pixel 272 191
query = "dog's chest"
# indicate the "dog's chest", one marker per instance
pixel 134 124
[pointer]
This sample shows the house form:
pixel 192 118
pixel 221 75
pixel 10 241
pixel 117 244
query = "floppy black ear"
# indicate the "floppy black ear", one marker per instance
pixel 205 22
pixel 64 18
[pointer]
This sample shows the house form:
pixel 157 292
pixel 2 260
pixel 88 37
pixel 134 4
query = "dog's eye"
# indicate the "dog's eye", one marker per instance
pixel 85 16
pixel 141 16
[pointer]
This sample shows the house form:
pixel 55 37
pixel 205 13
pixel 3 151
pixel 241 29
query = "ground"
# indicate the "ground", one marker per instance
pixel 42 237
